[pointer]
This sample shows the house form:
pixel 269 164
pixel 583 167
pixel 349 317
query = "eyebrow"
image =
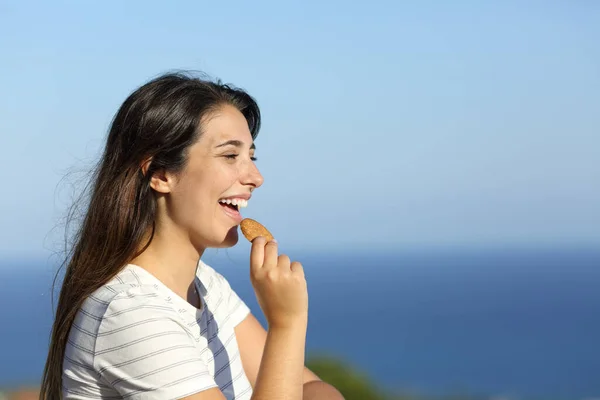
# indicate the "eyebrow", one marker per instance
pixel 236 143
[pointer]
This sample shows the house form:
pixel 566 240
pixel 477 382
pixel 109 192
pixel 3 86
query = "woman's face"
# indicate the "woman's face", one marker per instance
pixel 220 169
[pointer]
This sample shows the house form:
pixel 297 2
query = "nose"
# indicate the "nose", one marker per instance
pixel 252 177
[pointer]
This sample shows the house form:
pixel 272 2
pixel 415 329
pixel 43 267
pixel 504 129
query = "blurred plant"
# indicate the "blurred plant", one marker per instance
pixel 355 384
pixel 351 382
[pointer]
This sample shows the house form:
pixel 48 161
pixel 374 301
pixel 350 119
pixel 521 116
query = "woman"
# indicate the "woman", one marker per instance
pixel 139 315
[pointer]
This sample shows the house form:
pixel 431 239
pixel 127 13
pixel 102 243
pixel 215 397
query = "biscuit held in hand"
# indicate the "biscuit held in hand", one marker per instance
pixel 252 229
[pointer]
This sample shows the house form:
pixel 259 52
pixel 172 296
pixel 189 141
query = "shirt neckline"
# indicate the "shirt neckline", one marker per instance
pixel 174 296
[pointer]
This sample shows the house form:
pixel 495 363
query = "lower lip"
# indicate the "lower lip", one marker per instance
pixel 237 217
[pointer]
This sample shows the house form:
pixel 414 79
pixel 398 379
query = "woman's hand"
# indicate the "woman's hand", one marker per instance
pixel 279 284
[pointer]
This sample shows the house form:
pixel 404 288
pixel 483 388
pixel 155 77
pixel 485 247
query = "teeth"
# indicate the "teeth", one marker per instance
pixel 240 203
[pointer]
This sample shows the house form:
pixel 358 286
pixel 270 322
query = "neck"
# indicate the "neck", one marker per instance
pixel 173 260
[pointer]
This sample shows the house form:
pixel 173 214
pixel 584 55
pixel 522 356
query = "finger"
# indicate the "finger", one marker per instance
pixel 271 250
pixel 257 253
pixel 283 262
pixel 297 268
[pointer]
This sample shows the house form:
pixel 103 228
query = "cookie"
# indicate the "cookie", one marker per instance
pixel 251 229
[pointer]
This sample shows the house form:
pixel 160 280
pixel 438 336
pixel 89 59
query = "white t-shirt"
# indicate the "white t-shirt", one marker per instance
pixel 136 339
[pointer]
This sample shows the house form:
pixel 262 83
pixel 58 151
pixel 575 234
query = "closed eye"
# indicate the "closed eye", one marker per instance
pixel 234 156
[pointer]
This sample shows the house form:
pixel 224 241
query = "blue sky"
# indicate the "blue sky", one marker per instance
pixel 386 124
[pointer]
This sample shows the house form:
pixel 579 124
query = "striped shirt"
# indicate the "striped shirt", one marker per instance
pixel 136 339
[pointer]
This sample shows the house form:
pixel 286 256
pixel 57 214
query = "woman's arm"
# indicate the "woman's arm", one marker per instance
pixel 252 341
pixel 281 365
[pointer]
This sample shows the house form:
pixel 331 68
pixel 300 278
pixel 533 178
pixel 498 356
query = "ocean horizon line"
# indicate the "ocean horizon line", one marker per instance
pixel 52 260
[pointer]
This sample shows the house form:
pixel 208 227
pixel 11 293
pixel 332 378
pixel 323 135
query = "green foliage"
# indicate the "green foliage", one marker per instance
pixel 352 383
pixel 355 384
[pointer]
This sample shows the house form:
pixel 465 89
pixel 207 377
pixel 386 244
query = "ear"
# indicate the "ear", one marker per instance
pixel 159 181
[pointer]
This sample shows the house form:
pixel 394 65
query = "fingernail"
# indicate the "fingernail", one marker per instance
pixel 274 241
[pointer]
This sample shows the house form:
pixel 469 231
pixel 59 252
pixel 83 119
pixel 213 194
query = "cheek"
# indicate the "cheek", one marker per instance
pixel 223 179
pixel 201 194
pixel 192 196
pixel 200 190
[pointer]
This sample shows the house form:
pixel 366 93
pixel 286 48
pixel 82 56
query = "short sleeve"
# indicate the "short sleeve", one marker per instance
pixel 144 351
pixel 237 310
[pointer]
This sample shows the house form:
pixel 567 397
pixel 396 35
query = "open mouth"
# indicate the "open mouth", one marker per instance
pixel 230 206
pixel 233 204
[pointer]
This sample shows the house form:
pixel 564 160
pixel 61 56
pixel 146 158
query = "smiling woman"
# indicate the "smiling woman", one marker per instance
pixel 140 316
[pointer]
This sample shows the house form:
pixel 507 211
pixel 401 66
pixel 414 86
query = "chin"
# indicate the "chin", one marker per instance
pixel 223 239
pixel 231 238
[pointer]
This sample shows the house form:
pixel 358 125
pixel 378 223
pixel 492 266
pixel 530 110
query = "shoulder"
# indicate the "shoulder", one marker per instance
pixel 146 345
pixel 139 306
pixel 136 304
pixel 120 313
pixel 137 323
pixel 126 306
pixel 127 292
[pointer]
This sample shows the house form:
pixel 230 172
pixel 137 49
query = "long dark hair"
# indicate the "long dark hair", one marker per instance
pixel 158 122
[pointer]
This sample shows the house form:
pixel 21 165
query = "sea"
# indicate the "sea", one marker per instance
pixel 502 323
